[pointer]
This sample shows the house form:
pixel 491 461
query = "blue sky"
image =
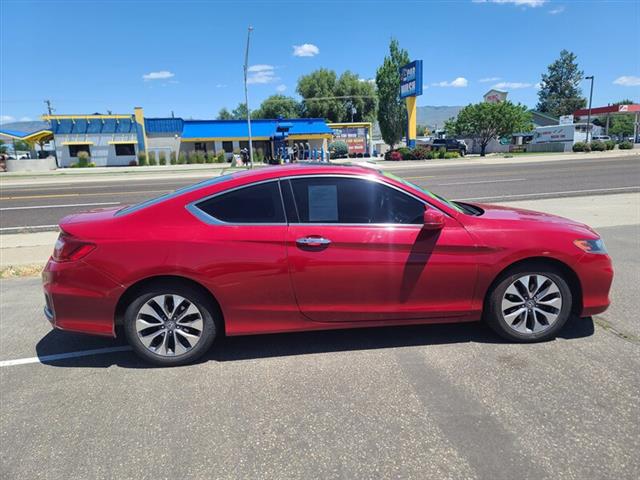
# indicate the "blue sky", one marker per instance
pixel 186 56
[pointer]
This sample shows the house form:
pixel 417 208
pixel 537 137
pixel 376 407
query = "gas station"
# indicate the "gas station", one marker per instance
pixel 612 110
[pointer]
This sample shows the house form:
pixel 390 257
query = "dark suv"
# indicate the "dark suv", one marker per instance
pixel 450 144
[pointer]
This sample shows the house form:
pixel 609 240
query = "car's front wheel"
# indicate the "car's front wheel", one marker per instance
pixel 529 304
pixel 169 324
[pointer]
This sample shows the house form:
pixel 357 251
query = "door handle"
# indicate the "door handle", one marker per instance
pixel 313 241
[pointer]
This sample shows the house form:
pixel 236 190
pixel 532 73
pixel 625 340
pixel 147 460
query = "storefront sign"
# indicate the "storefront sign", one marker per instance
pixel 411 79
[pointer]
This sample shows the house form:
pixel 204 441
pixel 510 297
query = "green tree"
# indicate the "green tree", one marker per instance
pixel 392 111
pixel 560 92
pixel 358 95
pixel 278 106
pixel 240 112
pixel 3 147
pixel 224 114
pixel 23 146
pixel 486 121
pixel 318 91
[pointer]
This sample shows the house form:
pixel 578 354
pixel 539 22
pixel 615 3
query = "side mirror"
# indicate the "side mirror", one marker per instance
pixel 433 219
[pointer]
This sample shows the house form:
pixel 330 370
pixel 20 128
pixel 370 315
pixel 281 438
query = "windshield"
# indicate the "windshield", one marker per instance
pixel 449 203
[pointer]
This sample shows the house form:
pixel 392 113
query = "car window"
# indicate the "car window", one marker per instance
pixel 353 200
pixel 259 203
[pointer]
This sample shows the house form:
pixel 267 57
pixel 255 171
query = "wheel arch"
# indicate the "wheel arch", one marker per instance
pixel 568 273
pixel 133 290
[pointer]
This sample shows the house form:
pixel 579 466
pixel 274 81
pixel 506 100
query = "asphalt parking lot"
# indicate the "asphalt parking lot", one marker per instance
pixel 412 402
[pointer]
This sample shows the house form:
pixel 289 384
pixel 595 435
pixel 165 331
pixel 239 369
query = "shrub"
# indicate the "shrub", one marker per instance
pixel 221 157
pixel 152 158
pixel 579 146
pixel 451 155
pixel 182 158
pixel 420 153
pixel 406 153
pixel 394 156
pixel 338 149
pixel 172 158
pixel 209 158
pixel 598 146
pixel 200 158
pixel 610 144
pixel 191 158
pixel 83 160
pixel 442 152
pixel 142 159
pixel 133 163
pixel 626 145
pixel 162 158
pixel 258 156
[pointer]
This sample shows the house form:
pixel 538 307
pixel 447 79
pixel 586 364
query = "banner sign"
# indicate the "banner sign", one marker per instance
pixel 411 79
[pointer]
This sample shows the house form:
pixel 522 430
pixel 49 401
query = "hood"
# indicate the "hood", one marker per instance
pixel 506 213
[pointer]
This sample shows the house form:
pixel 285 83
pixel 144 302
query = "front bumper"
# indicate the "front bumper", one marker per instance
pixel 80 298
pixel 596 276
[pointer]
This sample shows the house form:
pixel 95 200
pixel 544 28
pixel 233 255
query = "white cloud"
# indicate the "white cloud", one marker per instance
pixel 489 79
pixel 627 81
pixel 511 85
pixel 6 119
pixel 161 75
pixel 368 80
pixel 26 119
pixel 281 88
pixel 261 74
pixel 221 85
pixel 457 83
pixel 305 50
pixel 526 3
pixel 538 86
pixel 557 10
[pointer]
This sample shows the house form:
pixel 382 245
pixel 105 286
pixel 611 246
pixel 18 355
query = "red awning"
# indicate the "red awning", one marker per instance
pixel 610 109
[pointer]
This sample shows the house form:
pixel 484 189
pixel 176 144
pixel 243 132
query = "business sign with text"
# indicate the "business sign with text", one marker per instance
pixel 411 79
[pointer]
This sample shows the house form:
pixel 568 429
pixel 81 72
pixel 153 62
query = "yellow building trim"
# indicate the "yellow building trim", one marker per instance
pixel 223 139
pixel 121 142
pixel 138 114
pixel 312 136
pixel 78 143
pixel 352 124
pixel 85 117
pixel 412 117
pixel 33 137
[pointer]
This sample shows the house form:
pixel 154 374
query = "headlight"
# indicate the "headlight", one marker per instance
pixel 591 246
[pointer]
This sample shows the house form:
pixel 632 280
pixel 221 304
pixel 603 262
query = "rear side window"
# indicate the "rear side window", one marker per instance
pixel 253 204
pixel 353 200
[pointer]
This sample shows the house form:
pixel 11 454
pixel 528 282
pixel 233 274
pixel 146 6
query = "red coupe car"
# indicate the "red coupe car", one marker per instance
pixel 311 247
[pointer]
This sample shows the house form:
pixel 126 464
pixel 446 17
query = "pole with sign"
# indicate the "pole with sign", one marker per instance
pixel 410 88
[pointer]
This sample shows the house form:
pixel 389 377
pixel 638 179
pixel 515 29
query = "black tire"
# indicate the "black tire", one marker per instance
pixel 463 152
pixel 209 314
pixel 493 314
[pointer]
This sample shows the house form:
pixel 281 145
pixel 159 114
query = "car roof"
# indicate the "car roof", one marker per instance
pixel 306 168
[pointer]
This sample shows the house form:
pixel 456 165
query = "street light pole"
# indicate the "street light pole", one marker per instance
pixel 589 113
pixel 246 96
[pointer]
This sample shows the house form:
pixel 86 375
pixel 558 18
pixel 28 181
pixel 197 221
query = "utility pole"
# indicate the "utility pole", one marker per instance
pixel 589 113
pixel 246 95
pixel 50 109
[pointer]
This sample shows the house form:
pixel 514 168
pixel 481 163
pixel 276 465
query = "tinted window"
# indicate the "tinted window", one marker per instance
pixel 75 149
pixel 127 149
pixel 351 200
pixel 255 204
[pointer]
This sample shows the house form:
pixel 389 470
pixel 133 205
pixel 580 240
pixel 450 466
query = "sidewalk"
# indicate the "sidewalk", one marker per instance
pixel 33 249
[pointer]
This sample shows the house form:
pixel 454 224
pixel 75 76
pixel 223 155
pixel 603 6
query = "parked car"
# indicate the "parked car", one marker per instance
pixel 450 144
pixel 601 138
pixel 312 247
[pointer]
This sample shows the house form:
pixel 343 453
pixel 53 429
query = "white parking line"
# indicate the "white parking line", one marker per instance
pixel 60 206
pixel 26 227
pixel 546 194
pixel 62 356
pixel 482 181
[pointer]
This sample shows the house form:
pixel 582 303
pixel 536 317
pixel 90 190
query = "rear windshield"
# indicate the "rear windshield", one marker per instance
pixel 189 188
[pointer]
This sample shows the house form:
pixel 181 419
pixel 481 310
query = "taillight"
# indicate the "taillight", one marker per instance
pixel 69 248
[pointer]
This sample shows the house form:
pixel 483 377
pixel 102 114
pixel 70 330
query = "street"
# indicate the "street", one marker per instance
pixel 436 401
pixel 39 206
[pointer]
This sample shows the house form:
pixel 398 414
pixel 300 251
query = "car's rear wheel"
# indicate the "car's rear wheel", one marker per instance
pixel 529 304
pixel 170 324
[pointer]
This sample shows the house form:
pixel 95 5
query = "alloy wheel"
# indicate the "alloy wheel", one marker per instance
pixel 169 325
pixel 531 304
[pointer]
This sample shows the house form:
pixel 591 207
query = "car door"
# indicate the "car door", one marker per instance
pixel 241 250
pixel 358 252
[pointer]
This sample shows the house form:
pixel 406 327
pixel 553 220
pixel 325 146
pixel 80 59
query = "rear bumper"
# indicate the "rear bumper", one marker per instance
pixel 80 298
pixel 596 276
